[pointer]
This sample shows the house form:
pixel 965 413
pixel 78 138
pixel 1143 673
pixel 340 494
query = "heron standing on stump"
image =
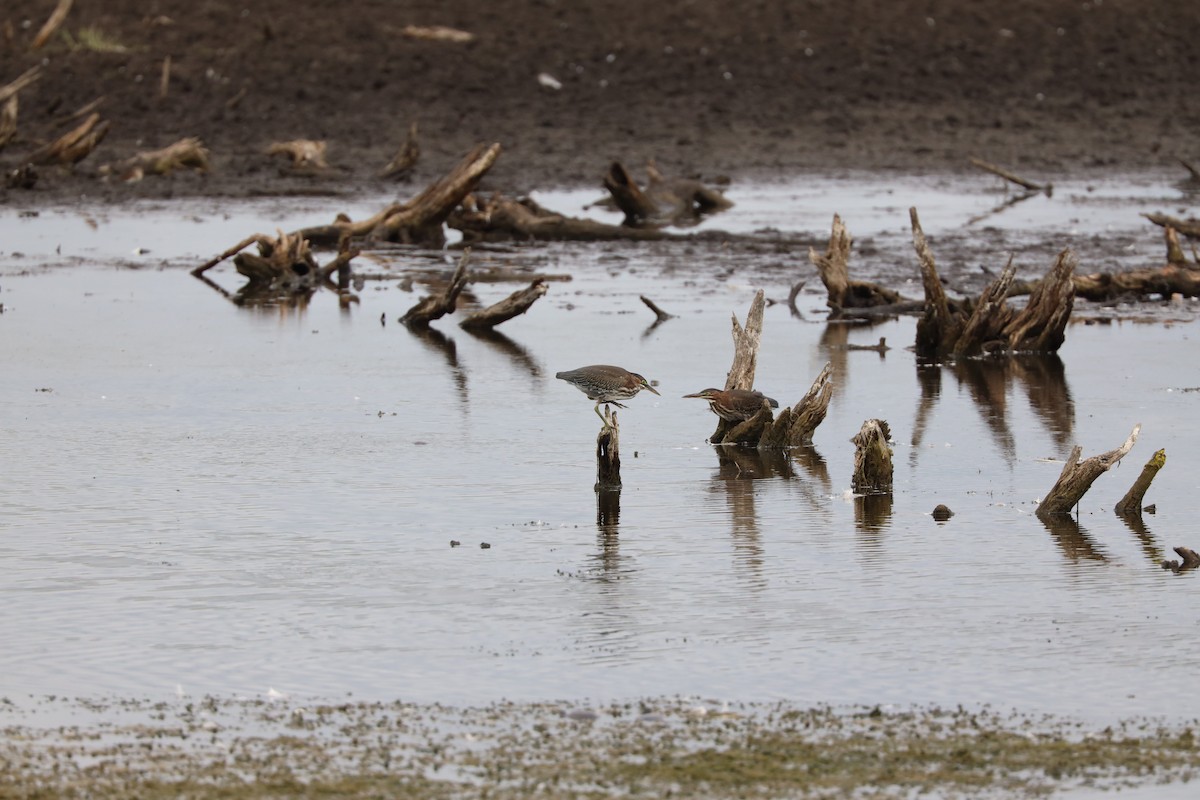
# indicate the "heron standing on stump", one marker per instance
pixel 606 384
pixel 734 405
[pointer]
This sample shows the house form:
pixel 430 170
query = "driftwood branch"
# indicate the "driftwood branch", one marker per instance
pixel 73 146
pixel 20 82
pixel 515 304
pixel 52 24
pixel 659 314
pixel 872 459
pixel 1131 503
pixel 1077 476
pixel 502 219
pixel 433 307
pixel 1008 176
pixel 1188 227
pixel 188 153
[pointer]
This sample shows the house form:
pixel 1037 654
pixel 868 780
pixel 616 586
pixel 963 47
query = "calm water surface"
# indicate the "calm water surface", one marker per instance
pixel 229 500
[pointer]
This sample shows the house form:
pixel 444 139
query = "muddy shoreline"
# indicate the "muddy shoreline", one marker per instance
pixel 1049 88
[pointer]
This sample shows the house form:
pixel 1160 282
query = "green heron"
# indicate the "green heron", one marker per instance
pixel 606 384
pixel 734 405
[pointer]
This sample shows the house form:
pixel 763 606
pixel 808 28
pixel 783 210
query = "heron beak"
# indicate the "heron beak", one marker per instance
pixel 651 388
pixel 697 394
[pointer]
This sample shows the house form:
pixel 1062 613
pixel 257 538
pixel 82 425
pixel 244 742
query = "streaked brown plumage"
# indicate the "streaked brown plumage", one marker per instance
pixel 606 384
pixel 734 405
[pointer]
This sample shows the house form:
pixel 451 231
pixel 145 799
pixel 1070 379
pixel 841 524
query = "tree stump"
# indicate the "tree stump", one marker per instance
pixel 745 357
pixel 872 459
pixel 1131 503
pixel 608 453
pixel 1077 477
pixel 795 426
pixel 834 269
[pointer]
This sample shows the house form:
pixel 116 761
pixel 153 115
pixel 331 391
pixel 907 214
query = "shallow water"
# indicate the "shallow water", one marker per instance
pixel 215 499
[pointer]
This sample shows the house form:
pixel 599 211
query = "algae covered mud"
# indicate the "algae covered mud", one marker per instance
pixel 653 748
pixel 227 530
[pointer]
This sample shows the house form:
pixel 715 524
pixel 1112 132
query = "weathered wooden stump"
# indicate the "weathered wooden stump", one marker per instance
pixel 834 268
pixel 608 454
pixel 872 459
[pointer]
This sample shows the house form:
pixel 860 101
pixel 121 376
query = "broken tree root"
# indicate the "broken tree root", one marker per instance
pixel 1077 476
pixel 608 453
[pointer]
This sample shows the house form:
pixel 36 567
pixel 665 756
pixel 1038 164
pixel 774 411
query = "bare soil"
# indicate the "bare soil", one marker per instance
pixel 746 90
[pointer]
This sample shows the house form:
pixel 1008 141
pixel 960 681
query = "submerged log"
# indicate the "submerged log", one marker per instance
pixel 872 459
pixel 433 307
pixel 502 219
pixel 663 201
pixel 834 269
pixel 515 304
pixel 608 453
pixel 188 153
pixel 1188 227
pixel 1077 476
pixel 1010 177
pixel 1131 503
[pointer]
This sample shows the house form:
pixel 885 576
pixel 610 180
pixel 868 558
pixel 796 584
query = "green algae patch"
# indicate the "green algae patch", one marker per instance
pixel 651 748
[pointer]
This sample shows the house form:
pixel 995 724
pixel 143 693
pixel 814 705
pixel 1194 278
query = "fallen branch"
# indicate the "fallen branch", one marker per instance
pixel 1008 176
pixel 73 146
pixel 504 219
pixel 433 307
pixel 1077 476
pixel 1188 227
pixel 52 24
pixel 515 304
pixel 660 315
pixel 26 78
pixel 187 153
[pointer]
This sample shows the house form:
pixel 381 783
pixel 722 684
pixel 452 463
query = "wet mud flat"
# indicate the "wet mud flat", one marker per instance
pixel 278 747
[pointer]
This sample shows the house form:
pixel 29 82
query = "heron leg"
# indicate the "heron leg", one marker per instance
pixel 601 416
